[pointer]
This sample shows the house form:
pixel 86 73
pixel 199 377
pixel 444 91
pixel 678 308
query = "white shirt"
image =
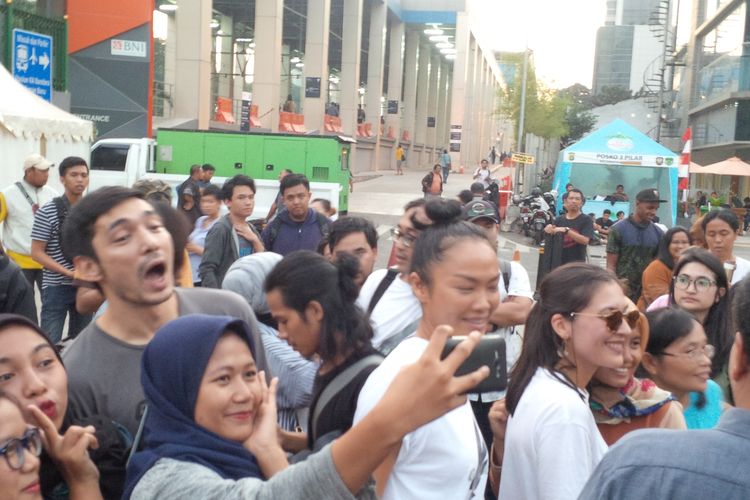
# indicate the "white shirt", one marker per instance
pixel 18 216
pixel 552 444
pixel 439 459
pixel 397 309
pixel 742 269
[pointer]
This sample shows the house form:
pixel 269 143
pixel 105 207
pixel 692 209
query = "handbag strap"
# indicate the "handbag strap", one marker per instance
pixel 337 384
pixel 25 193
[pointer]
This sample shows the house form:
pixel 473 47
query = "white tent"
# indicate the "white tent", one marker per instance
pixel 29 124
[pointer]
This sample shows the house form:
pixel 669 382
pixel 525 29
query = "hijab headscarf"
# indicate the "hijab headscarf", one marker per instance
pixel 172 368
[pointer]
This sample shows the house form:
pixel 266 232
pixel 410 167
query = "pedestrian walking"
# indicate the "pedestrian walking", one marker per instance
pixel 576 228
pixel 432 183
pixel 445 165
pixel 400 159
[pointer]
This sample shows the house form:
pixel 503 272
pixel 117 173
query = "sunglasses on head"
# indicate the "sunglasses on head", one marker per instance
pixel 614 319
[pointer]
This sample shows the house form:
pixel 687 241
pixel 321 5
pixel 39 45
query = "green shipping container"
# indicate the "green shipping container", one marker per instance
pixel 322 158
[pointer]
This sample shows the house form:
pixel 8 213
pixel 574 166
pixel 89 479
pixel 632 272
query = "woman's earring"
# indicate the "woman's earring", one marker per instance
pixel 562 351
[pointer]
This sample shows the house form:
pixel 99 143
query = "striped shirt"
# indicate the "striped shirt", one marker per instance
pixel 47 228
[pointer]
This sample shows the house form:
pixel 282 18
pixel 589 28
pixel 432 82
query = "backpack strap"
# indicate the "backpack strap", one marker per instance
pixel 337 384
pixel 389 277
pixel 324 224
pixel 273 232
pixel 62 205
pixel 393 341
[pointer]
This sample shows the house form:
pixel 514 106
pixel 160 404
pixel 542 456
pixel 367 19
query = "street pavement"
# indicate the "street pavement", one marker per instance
pixel 381 197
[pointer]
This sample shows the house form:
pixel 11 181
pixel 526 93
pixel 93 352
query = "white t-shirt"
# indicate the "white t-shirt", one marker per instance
pixel 439 459
pixel 397 309
pixel 741 270
pixel 552 444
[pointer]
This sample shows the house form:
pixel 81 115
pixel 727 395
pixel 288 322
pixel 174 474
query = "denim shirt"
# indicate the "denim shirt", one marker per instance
pixel 658 463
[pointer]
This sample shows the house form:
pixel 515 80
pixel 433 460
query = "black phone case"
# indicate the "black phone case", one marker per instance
pixel 491 353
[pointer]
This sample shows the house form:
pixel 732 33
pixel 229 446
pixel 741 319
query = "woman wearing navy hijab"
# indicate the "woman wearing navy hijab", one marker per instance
pixel 211 424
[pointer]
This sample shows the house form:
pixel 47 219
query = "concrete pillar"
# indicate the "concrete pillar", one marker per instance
pixel 469 140
pixel 444 130
pixel 193 62
pixel 440 119
pixel 410 90
pixel 458 85
pixel 375 62
pixel 316 62
pixel 481 107
pixel 395 78
pixel 423 79
pixel 432 101
pixel 349 84
pixel 266 84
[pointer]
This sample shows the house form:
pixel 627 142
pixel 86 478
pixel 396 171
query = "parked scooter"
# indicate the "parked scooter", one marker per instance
pixel 536 211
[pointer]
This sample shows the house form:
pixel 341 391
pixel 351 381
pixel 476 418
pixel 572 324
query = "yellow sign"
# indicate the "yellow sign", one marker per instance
pixel 523 158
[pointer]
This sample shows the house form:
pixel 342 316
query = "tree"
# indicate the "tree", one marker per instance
pixel 611 94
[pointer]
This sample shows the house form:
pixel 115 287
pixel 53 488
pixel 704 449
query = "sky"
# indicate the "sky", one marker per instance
pixel 562 34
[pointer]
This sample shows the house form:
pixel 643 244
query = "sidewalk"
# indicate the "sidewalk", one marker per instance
pixel 387 193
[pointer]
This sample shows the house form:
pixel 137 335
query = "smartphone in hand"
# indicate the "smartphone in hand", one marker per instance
pixel 491 353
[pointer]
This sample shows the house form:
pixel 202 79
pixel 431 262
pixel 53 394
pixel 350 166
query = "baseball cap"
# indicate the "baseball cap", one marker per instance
pixel 649 196
pixel 37 161
pixel 477 209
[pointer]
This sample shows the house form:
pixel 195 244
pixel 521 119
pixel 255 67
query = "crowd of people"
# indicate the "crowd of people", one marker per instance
pixel 235 359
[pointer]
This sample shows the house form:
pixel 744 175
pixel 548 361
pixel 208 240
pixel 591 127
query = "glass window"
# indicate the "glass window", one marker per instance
pixel 109 158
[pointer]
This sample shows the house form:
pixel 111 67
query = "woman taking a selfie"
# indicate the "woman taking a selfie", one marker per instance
pixel 211 427
pixel 32 373
pixel 552 443
pixel 454 274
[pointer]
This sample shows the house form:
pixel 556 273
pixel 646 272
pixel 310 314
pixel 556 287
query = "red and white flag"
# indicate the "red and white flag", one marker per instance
pixel 684 171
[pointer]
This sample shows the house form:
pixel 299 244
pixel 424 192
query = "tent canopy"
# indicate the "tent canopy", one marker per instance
pixel 730 166
pixel 26 115
pixel 619 154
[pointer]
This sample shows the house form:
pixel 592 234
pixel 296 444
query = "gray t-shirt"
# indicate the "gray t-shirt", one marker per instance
pixel 104 373
pixel 316 479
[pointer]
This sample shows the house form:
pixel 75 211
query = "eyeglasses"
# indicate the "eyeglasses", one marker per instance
pixel 614 319
pixel 14 450
pixel 702 284
pixel 695 353
pixel 407 239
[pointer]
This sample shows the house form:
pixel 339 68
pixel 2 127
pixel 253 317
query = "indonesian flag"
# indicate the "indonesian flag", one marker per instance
pixel 684 170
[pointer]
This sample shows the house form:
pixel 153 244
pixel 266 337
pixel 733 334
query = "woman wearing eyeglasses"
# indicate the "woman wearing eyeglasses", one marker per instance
pixel 32 373
pixel 678 358
pixel 552 443
pixel 20 447
pixel 658 275
pixel 623 403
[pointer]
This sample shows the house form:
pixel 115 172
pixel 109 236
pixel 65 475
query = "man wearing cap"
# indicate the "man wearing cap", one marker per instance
pixel 576 228
pixel 633 242
pixel 514 308
pixel 18 204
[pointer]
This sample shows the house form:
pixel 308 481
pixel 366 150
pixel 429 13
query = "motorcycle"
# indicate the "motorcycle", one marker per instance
pixel 536 211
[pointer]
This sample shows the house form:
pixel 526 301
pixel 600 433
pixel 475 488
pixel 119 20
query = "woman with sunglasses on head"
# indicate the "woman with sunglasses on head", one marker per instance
pixel 211 427
pixel 678 358
pixel 658 275
pixel 454 274
pixel 578 325
pixel 623 403
pixel 31 371
pixel 20 446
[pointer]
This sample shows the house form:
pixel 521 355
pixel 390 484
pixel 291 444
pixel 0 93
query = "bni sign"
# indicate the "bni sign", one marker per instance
pixel 128 48
pixel 32 62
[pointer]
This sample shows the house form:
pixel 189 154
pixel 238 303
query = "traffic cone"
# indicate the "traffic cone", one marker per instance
pixel 461 169
pixel 516 255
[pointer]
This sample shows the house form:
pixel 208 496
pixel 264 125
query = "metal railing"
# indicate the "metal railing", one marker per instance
pixel 12 18
pixel 721 76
